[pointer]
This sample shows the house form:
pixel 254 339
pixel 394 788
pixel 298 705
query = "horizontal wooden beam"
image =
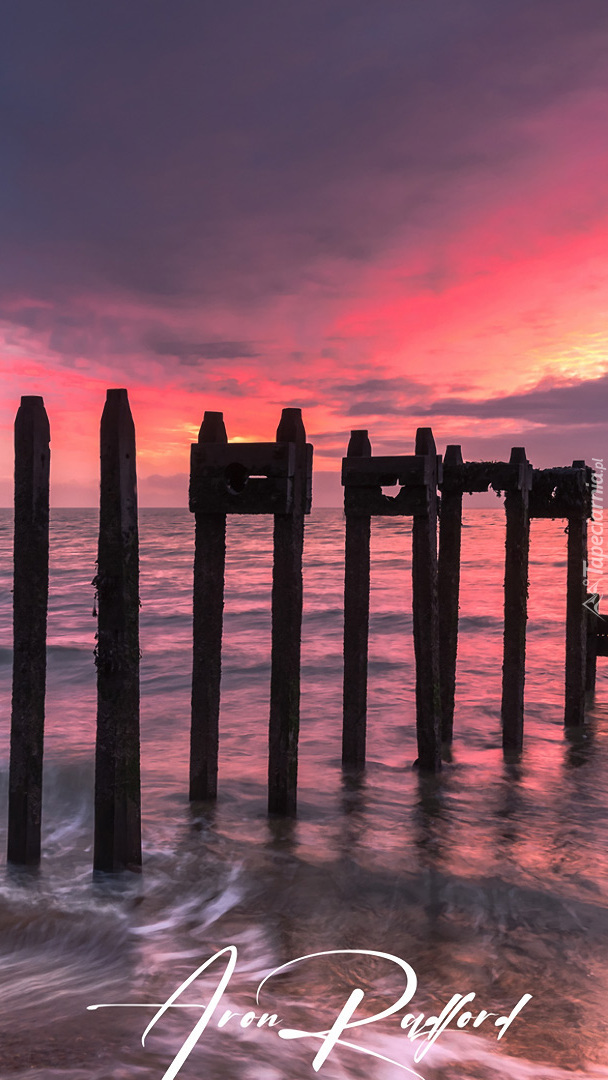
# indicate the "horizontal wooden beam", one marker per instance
pixel 260 459
pixel 561 492
pixel 246 478
pixel 481 475
pixel 372 502
pixel 598 626
pixel 415 469
pixel 269 495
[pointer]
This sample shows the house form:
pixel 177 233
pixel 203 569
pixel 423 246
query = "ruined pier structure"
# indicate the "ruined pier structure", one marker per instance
pixel 529 493
pixel 276 478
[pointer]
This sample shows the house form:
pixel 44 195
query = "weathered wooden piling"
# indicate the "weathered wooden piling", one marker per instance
pixel 117 774
pixel 448 577
pixel 517 545
pixel 356 622
pixel 591 646
pixel 576 614
pixel 595 619
pixel 30 603
pixel 426 613
pixel 287 629
pixel 208 611
pixel 250 478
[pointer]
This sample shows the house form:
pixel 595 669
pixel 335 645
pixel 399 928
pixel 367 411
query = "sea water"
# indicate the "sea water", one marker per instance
pixel 490 879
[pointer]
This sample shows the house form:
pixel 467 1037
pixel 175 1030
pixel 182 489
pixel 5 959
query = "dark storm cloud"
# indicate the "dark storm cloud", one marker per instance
pixel 236 388
pixel 173 150
pixel 550 403
pixel 378 385
pixel 382 407
pixel 190 353
pixel 545 447
pixel 375 396
pixel 580 404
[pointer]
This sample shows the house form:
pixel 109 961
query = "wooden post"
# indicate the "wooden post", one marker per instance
pixel 209 568
pixel 450 532
pixel 117 778
pixel 287 631
pixel 576 618
pixel 426 616
pixel 594 618
pixel 356 622
pixel 516 606
pixel 591 661
pixel 30 603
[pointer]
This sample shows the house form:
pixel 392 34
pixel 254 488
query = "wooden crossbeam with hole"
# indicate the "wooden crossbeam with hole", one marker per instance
pixel 246 478
pixel 364 477
pixel 249 478
pixel 600 633
pixel 561 492
pixel 472 476
pixel 366 472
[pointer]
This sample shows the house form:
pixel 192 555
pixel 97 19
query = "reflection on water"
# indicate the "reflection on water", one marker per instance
pixel 491 878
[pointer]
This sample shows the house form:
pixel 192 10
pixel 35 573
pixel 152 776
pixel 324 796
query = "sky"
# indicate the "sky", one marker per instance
pixel 390 213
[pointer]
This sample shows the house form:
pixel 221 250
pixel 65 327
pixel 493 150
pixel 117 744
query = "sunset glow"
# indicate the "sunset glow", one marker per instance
pixel 421 237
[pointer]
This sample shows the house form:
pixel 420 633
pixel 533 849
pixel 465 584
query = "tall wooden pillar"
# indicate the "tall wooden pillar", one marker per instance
pixel 117 775
pixel 516 603
pixel 30 603
pixel 450 533
pixel 208 614
pixel 426 615
pixel 356 622
pixel 576 617
pixel 287 629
